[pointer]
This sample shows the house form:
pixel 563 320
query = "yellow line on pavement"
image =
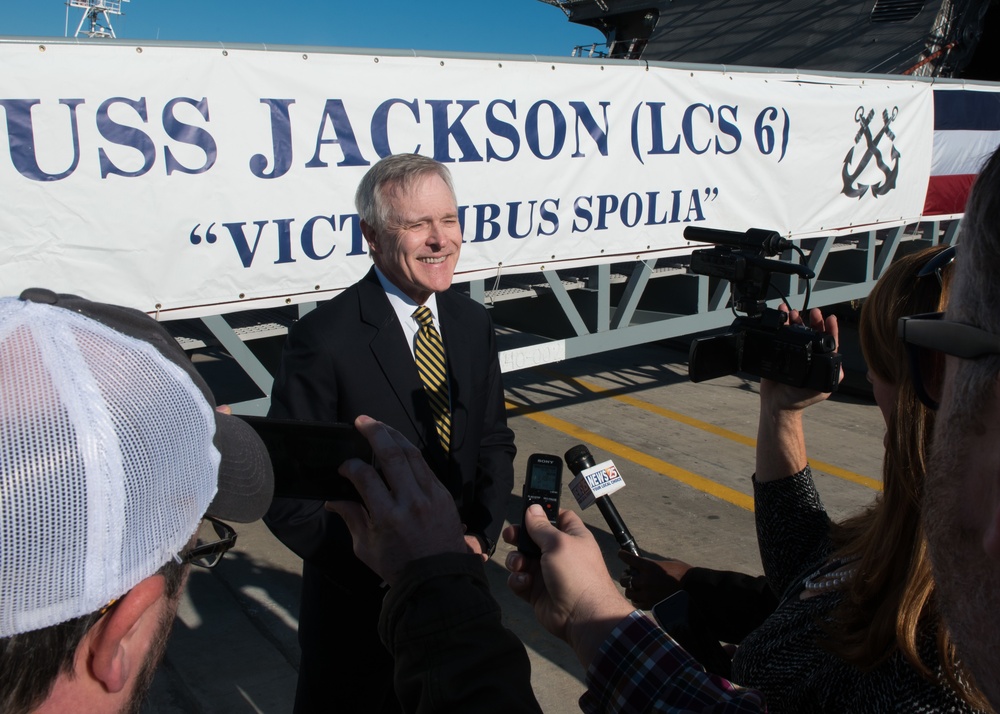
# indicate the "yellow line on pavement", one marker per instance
pixel 712 428
pixel 653 464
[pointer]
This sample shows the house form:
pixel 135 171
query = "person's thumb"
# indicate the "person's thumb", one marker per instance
pixel 539 528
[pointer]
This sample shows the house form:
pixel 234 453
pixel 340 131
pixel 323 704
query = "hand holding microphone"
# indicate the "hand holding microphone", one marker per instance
pixel 677 615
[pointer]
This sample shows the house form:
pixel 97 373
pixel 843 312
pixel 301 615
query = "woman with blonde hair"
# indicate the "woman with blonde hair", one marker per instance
pixel 857 628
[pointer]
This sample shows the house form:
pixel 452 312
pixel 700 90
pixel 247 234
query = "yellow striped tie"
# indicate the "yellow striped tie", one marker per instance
pixel 429 353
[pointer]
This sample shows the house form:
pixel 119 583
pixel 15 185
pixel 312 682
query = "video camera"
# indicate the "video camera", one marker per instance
pixel 759 342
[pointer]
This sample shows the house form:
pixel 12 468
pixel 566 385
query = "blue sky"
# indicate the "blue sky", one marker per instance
pixel 521 27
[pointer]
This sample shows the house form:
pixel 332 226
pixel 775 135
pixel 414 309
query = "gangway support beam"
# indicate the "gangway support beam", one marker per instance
pixel 950 236
pixel 633 292
pixel 720 296
pixel 889 247
pixel 565 302
pixel 603 312
pixel 227 337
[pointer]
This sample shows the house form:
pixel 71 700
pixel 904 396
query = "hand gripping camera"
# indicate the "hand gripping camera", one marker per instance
pixel 759 342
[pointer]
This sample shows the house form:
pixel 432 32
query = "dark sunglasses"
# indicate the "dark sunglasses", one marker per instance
pixel 929 338
pixel 208 555
pixel 936 265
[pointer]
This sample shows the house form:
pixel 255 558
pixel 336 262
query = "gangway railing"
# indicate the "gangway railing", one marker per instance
pixel 598 50
pixel 112 6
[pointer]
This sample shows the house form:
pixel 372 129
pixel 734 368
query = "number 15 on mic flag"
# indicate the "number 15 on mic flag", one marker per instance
pixel 599 480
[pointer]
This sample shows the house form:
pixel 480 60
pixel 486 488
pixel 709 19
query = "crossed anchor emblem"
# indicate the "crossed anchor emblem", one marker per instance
pixel 852 187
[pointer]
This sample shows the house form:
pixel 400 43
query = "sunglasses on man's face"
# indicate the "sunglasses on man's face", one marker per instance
pixel 929 338
pixel 207 554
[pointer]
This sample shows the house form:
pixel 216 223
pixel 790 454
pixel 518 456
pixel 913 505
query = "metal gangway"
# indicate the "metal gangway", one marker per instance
pixel 562 314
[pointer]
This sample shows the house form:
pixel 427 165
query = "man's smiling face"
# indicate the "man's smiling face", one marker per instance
pixel 419 251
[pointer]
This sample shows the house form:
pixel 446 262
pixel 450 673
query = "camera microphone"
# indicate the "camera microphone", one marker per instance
pixel 594 483
pixel 760 240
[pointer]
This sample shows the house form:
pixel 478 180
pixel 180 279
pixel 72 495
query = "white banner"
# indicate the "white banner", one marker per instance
pixel 192 181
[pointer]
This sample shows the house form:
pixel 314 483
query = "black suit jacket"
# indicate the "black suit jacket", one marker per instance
pixel 350 357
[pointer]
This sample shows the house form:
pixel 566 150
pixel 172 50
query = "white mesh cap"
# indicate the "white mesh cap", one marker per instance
pixel 107 457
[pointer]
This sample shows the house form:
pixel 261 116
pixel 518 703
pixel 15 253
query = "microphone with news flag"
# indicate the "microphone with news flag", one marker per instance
pixel 594 483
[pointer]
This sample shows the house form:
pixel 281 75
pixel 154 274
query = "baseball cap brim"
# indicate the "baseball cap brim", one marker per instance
pixel 246 479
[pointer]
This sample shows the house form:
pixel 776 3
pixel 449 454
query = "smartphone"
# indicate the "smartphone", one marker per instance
pixel 542 485
pixel 305 456
pixel 685 623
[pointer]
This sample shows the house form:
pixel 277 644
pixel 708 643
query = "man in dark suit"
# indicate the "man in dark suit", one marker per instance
pixel 366 352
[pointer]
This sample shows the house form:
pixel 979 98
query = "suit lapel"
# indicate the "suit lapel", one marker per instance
pixel 388 345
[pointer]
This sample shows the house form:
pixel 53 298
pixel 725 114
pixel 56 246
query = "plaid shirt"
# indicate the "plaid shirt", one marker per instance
pixel 640 669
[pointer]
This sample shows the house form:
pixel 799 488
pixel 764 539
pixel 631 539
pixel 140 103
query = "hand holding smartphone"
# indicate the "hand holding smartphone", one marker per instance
pixel 542 485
